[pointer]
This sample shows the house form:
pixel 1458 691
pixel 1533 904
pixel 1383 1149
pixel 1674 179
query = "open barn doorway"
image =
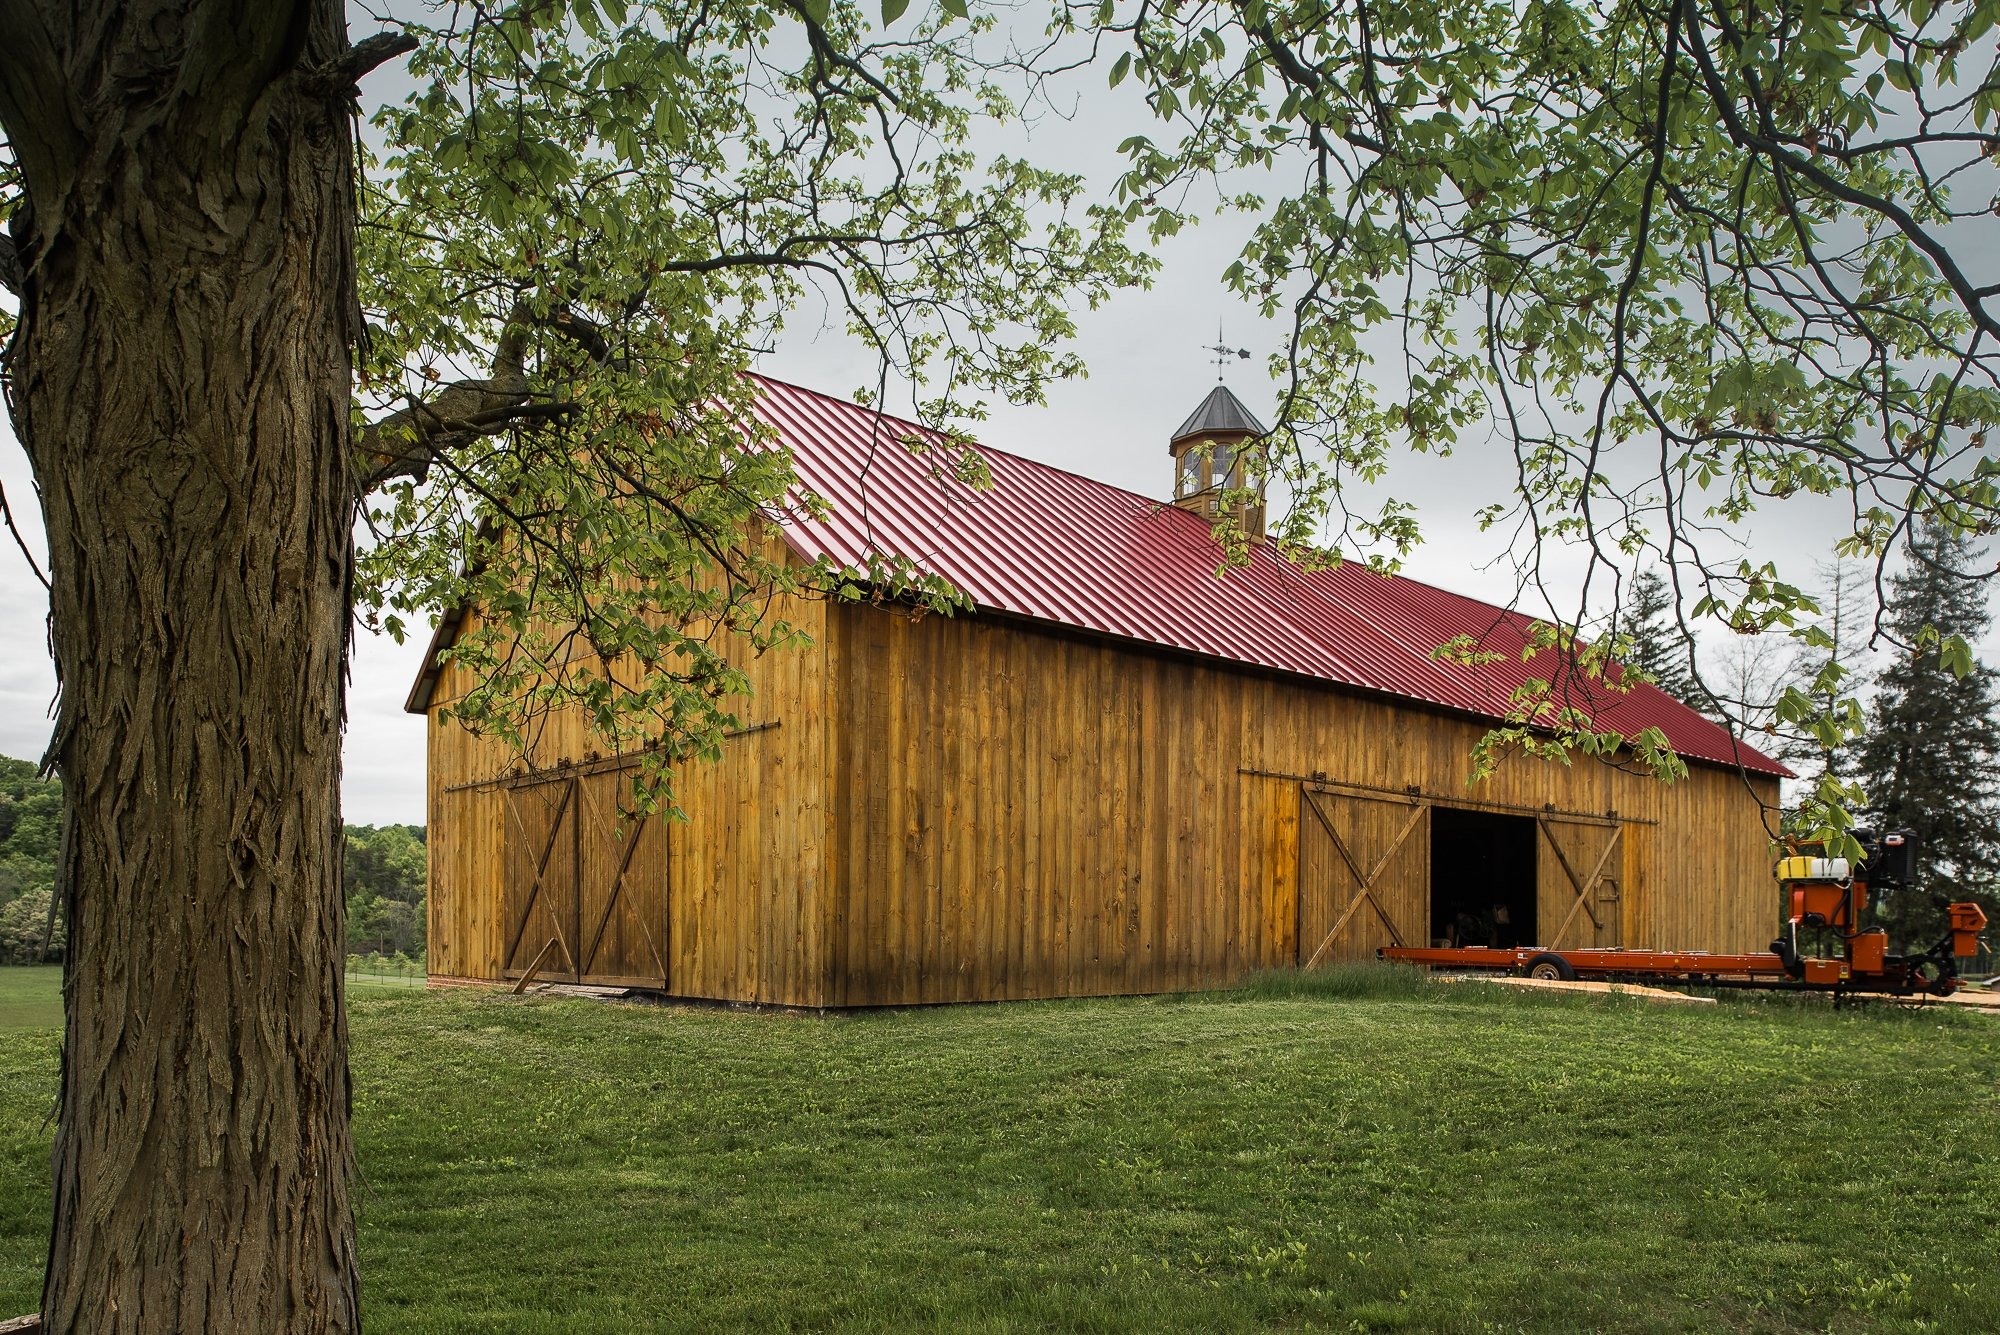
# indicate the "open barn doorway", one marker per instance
pixel 1482 878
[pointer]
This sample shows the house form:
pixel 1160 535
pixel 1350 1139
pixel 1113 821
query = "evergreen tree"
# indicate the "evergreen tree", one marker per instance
pixel 1660 645
pixel 1930 761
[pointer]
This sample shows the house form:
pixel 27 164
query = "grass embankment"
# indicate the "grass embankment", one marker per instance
pixel 1323 1157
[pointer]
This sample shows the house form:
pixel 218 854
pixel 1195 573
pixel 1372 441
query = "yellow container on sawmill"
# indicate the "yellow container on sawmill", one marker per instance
pixel 1812 869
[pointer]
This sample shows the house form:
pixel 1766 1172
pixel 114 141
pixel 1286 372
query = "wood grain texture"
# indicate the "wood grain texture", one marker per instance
pixel 1105 837
pixel 731 899
pixel 958 809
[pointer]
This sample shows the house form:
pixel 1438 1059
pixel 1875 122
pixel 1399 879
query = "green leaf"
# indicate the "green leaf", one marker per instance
pixel 1955 656
pixel 1120 68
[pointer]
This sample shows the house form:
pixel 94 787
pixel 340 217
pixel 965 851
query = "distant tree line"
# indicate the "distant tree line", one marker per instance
pixel 30 831
pixel 1929 758
pixel 383 869
pixel 384 876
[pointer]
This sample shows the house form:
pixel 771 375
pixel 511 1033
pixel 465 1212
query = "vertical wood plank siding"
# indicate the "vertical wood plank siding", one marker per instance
pixel 1101 836
pixel 956 809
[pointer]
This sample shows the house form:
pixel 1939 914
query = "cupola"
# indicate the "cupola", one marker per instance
pixel 1209 452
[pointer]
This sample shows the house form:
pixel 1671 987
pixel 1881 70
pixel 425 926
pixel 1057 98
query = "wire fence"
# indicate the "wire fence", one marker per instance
pixel 389 970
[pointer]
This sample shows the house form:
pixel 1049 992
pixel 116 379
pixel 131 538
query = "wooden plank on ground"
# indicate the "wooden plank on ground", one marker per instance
pixel 534 968
pixel 1975 1000
pixel 1579 985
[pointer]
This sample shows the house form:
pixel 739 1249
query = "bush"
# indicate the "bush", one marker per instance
pixel 387 966
pixel 22 922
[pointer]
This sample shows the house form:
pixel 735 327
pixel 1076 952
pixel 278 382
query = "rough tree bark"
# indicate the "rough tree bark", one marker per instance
pixel 181 380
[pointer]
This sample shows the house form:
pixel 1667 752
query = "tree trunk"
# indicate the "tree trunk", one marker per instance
pixel 181 380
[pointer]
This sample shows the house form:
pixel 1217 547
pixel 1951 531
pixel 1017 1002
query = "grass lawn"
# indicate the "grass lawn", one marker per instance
pixel 30 997
pixel 1356 1156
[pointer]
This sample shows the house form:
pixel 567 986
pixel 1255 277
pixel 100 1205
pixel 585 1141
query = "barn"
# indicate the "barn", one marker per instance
pixel 1118 773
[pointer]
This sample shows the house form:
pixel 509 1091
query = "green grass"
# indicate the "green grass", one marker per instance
pixel 31 996
pixel 1356 1153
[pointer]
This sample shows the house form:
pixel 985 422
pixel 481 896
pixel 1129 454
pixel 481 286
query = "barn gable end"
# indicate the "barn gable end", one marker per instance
pixel 529 849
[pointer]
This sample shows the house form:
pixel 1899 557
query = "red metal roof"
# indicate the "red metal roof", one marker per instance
pixel 1058 547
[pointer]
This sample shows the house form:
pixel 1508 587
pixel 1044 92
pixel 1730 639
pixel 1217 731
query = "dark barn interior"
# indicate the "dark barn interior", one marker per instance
pixel 1482 878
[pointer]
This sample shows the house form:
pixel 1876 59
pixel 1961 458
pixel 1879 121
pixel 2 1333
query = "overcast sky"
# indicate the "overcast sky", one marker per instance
pixel 1149 367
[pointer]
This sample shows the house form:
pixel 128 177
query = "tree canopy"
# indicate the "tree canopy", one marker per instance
pixel 1684 260
pixel 383 872
pixel 30 832
pixel 576 236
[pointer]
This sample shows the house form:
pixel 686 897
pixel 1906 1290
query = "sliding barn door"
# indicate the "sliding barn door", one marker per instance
pixel 1364 873
pixel 541 898
pixel 1580 868
pixel 586 894
pixel 622 886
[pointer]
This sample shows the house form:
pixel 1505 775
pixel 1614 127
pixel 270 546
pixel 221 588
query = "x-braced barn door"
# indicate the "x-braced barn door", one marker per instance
pixel 586 883
pixel 1364 872
pixel 542 858
pixel 622 886
pixel 1580 875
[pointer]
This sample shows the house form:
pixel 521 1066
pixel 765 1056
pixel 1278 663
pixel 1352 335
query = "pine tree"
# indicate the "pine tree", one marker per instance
pixel 1660 646
pixel 1930 761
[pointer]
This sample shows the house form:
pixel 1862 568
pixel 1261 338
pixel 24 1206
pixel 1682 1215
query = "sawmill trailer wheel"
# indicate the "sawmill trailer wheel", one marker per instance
pixel 1548 964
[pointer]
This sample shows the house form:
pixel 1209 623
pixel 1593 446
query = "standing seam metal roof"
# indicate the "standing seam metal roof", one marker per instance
pixel 1058 547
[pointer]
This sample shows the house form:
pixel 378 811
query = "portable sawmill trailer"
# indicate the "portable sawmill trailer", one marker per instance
pixel 1823 894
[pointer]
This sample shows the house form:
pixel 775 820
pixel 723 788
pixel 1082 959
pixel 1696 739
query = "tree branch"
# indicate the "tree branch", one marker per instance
pixel 1783 158
pixel 341 75
pixel 1302 76
pixel 11 276
pixel 7 515
pixel 404 443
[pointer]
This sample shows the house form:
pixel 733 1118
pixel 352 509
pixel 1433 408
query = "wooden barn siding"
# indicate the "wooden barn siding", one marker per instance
pixel 1019 813
pixel 744 894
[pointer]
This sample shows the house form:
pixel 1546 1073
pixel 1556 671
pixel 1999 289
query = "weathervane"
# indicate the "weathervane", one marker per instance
pixel 1224 352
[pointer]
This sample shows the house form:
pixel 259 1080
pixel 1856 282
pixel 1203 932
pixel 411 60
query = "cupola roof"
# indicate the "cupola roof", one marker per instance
pixel 1220 414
